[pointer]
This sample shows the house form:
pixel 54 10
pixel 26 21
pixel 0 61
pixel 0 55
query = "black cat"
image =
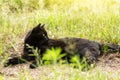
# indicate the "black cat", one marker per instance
pixel 38 38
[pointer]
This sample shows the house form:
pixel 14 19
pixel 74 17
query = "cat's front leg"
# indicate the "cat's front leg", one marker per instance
pixel 18 60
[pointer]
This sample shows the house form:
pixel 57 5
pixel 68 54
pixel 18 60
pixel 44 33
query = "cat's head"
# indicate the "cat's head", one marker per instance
pixel 37 35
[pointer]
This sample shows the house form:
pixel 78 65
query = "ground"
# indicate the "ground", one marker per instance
pixel 107 63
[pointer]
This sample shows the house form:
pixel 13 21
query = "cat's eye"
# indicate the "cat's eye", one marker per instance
pixel 44 35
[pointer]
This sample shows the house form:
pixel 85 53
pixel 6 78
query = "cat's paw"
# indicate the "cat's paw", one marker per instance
pixel 8 62
pixel 33 65
pixel 12 61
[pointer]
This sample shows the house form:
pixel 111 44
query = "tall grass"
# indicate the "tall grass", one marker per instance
pixel 97 20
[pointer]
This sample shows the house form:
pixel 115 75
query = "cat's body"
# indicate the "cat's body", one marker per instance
pixel 77 46
pixel 38 38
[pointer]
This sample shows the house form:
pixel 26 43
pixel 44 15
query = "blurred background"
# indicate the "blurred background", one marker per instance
pixel 97 20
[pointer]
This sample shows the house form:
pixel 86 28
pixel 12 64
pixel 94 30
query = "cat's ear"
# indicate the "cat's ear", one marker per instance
pixel 37 28
pixel 38 25
pixel 42 26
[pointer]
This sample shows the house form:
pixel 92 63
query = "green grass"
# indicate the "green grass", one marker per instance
pixel 97 20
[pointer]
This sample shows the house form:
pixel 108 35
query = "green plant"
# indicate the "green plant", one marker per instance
pixel 80 63
pixel 53 55
pixel 36 54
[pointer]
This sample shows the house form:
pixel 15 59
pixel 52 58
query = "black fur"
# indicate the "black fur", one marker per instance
pixel 38 38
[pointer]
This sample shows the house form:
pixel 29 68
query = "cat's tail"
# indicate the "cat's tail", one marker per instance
pixel 109 48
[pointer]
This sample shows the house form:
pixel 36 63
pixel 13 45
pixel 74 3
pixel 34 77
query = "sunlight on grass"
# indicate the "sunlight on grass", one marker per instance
pixel 1 78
